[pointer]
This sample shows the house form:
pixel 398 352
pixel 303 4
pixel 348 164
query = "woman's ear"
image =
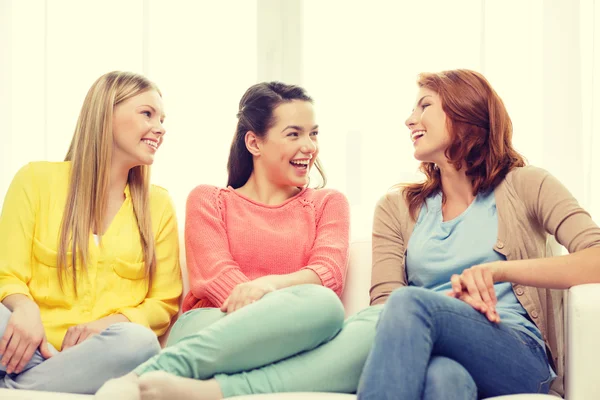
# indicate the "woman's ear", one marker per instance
pixel 252 143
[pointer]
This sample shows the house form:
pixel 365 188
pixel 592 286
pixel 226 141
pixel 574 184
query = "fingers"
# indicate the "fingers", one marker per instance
pixel 233 299
pixel 17 346
pixel 469 283
pixel 7 357
pixel 242 296
pixel 27 354
pixel 76 335
pixel 4 342
pixel 476 304
pixel 252 295
pixel 456 284
pixel 490 314
pixel 86 334
pixel 483 284
pixel 247 293
pixel 482 289
pixel 240 299
pixel 44 350
pixel 71 337
pixel 493 316
pixel 478 282
pixel 225 304
pixel 475 286
pixel 18 355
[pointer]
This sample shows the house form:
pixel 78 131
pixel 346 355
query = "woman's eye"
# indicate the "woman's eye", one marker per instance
pixel 147 113
pixel 424 106
pixel 314 133
pixel 294 134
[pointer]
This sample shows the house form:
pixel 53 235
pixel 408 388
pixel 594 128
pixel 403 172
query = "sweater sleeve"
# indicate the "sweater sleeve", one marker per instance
pixel 387 272
pixel 328 257
pixel 213 273
pixel 162 301
pixel 551 204
pixel 17 226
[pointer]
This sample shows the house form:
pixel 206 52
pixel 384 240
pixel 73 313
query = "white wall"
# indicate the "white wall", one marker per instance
pixel 201 54
pixel 358 59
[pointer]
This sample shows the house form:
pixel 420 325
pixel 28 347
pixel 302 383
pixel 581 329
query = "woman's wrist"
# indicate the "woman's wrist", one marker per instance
pixel 498 270
pixel 304 276
pixel 19 301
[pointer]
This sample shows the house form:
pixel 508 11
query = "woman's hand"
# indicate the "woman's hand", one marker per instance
pixel 79 333
pixel 23 335
pixel 249 292
pixel 475 286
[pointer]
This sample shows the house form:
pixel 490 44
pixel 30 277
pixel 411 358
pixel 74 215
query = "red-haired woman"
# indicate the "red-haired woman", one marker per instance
pixel 460 259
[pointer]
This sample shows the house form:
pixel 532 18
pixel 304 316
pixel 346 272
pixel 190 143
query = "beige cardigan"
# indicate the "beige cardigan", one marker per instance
pixel 531 204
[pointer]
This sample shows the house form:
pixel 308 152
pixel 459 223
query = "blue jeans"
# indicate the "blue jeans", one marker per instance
pixel 85 367
pixel 431 346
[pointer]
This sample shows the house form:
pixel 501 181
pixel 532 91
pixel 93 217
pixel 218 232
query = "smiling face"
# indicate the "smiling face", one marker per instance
pixel 138 129
pixel 428 127
pixel 290 148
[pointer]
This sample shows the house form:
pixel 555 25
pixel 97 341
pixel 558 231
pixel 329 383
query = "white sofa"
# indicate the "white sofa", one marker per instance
pixel 583 337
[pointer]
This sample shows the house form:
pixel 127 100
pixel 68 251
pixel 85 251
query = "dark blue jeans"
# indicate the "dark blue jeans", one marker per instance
pixel 431 346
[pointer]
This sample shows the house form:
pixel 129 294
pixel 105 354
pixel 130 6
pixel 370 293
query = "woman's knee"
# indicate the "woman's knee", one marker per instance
pixel 193 322
pixel 318 305
pixel 406 296
pixel 132 343
pixel 403 304
pixel 447 379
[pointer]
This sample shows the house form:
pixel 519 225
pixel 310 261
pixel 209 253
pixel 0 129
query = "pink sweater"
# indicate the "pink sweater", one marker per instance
pixel 231 239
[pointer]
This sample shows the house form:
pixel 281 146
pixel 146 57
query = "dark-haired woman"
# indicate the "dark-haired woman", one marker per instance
pixel 460 260
pixel 267 260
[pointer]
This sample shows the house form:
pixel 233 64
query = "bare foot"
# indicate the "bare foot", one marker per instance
pixel 160 385
pixel 124 388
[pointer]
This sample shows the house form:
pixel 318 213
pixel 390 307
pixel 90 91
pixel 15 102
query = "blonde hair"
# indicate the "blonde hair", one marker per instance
pixel 90 154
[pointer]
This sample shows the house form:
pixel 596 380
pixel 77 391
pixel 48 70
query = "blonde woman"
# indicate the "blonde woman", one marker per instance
pixel 89 249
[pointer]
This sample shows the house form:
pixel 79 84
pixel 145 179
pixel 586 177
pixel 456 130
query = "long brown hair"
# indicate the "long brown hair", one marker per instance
pixel 90 154
pixel 480 133
pixel 256 114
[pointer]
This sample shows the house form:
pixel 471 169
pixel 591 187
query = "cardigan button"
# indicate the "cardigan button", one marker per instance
pixel 500 245
pixel 534 314
pixel 519 291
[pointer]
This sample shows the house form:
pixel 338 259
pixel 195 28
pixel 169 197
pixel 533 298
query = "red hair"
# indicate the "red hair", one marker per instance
pixel 480 133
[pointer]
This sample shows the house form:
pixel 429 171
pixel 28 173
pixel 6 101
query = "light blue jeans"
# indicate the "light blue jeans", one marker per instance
pixel 85 367
pixel 294 339
pixel 430 346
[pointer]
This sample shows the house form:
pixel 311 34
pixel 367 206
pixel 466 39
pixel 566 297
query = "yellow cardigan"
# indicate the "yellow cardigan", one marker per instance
pixel 29 228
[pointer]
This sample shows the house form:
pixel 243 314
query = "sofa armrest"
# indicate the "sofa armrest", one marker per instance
pixel 583 343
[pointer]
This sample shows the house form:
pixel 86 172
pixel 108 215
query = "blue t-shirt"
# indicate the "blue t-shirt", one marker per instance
pixel 437 250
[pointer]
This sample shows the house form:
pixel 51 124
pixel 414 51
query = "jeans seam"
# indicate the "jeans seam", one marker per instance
pixel 512 332
pixel 547 381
